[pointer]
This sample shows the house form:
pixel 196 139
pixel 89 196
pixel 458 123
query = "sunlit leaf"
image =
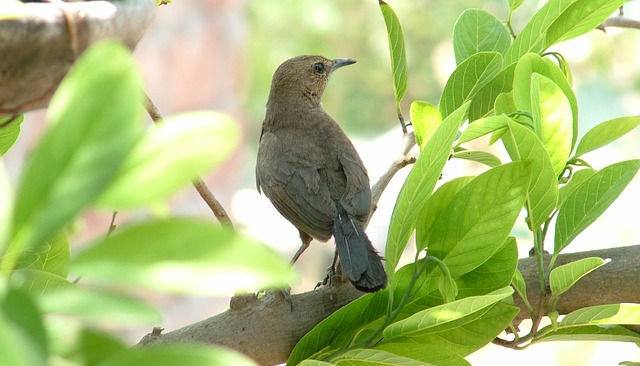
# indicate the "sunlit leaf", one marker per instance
pixel 610 333
pixel 563 277
pixel 604 314
pixel 425 118
pixel 590 199
pixel 576 180
pixel 481 157
pixel 373 357
pixel 605 133
pixel 396 50
pixel 483 102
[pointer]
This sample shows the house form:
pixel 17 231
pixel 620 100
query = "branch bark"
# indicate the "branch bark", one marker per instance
pixel 267 329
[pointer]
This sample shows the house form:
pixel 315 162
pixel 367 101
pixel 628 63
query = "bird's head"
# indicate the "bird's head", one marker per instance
pixel 304 77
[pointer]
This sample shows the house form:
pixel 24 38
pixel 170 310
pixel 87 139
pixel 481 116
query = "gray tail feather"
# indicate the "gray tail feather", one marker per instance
pixel 360 261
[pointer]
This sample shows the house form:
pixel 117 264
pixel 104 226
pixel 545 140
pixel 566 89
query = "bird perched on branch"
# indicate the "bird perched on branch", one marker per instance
pixel 311 172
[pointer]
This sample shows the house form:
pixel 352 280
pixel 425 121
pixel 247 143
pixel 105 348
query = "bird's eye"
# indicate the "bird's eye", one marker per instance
pixel 318 67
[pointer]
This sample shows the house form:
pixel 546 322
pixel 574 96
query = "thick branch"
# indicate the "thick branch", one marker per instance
pixel 619 21
pixel 267 329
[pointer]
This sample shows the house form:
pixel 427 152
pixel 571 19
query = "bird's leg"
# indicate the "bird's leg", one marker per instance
pixel 329 272
pixel 306 240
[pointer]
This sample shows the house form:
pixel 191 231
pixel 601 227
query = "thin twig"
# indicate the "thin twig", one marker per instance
pixel 406 158
pixel 112 224
pixel 208 197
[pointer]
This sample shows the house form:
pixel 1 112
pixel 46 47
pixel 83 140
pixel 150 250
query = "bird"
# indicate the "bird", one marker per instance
pixel 311 172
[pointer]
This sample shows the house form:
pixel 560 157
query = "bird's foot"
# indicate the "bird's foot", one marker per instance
pixel 328 274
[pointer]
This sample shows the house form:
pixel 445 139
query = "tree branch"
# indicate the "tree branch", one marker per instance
pixel 619 21
pixel 216 207
pixel 267 329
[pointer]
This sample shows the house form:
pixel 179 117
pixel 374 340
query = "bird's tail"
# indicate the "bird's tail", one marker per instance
pixel 360 261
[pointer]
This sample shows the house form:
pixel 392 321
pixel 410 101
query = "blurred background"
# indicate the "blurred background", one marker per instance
pixel 221 54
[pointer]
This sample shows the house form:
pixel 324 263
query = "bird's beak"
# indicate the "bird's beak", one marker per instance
pixel 339 62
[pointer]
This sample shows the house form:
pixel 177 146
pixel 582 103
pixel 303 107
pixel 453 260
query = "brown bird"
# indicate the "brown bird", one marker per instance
pixel 311 172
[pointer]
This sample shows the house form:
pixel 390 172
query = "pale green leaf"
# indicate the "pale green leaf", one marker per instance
pixel 6 207
pixel 478 31
pixel 467 79
pixel 519 284
pixel 576 180
pixel 170 156
pixel 53 256
pixel 95 117
pixel 563 277
pixel 608 333
pixel 605 133
pixel 627 314
pixel 315 363
pixel 425 118
pixel 590 199
pixel 504 104
pixel 178 354
pixel 515 4
pixel 36 282
pixel 18 347
pixel 183 255
pixel 25 318
pixel 481 157
pixel 482 127
pixel 552 110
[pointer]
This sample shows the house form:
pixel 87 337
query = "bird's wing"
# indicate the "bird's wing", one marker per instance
pixel 357 196
pixel 299 195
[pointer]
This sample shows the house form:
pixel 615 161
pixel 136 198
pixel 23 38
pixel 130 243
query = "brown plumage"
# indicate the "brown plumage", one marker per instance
pixel 311 172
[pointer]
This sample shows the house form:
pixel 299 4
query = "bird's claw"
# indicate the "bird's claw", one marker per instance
pixel 328 274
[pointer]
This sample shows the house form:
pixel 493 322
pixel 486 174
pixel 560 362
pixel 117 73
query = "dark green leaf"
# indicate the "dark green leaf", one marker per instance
pixel 95 116
pixel 590 199
pixel 483 102
pixel 467 79
pixel 605 133
pixel 478 31
pixel 183 255
pixel 9 131
pixel 418 187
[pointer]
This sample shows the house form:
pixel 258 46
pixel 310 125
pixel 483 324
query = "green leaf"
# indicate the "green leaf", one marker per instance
pixel 94 346
pixel 425 118
pixel 6 208
pixel 467 79
pixel 95 116
pixel 577 178
pixel 483 102
pixel 9 131
pixel 170 156
pixel 373 357
pixel 515 4
pixel 336 331
pixel 552 110
pixel 36 282
pixel 418 187
pixel 315 363
pixel 590 199
pixel 396 50
pixel 434 208
pixel 183 354
pixel 529 65
pixel 98 307
pixel 519 284
pixel 482 127
pixel 18 348
pixel 609 333
pixel 504 104
pixel 481 157
pixel 449 343
pixel 53 257
pixel 478 31
pixel 522 144
pixel 579 18
pixel 441 316
pixel 628 314
pixel 605 133
pixel 26 319
pixel 479 218
pixel 183 255
pixel 532 37
pixel 563 277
